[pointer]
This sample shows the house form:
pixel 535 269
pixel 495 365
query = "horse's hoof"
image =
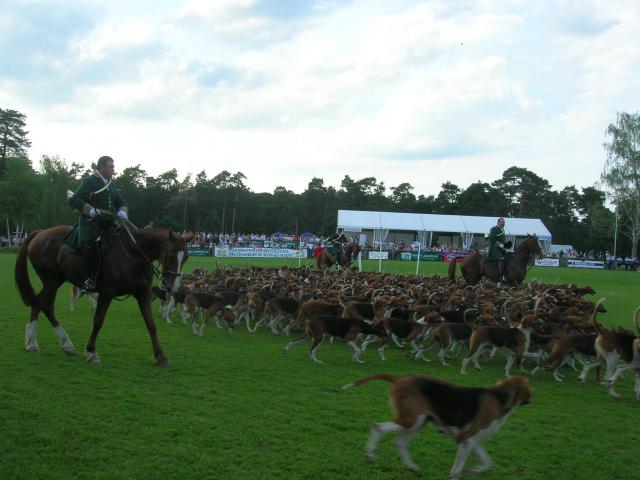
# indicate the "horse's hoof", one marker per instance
pixel 69 350
pixel 163 362
pixel 92 357
pixel 32 348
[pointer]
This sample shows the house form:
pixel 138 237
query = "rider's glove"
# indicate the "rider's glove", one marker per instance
pixel 123 214
pixel 501 245
pixel 94 212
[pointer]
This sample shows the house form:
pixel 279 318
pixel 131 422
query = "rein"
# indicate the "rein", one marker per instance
pixel 156 271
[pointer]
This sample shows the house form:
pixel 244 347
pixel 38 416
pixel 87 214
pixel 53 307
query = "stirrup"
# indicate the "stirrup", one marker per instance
pixel 88 286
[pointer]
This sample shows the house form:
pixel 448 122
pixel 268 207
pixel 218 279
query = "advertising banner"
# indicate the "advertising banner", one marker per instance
pixel 198 252
pixel 453 257
pixel 373 255
pixel 259 252
pixel 547 262
pixel 572 263
pixel 424 256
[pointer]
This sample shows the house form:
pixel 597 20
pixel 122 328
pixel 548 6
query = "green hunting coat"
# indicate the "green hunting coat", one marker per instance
pixel 496 235
pixel 109 200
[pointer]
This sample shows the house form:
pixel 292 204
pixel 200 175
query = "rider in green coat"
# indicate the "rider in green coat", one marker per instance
pixel 498 246
pixel 99 202
pixel 338 240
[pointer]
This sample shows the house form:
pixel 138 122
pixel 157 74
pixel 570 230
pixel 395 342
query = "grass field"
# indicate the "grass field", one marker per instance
pixel 235 407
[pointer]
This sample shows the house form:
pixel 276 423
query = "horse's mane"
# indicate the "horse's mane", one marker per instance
pixel 525 245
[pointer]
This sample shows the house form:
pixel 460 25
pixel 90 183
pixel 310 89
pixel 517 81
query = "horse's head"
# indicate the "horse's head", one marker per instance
pixel 353 249
pixel 536 248
pixel 174 258
pixel 530 245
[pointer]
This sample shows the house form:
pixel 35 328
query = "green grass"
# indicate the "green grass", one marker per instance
pixel 235 407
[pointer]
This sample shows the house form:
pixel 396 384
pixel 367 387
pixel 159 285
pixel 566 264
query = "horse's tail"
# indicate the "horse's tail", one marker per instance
pixel 378 376
pixel 451 272
pixel 22 273
pixel 635 320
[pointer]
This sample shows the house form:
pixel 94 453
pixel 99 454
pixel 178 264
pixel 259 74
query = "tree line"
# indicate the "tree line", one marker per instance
pixel 35 197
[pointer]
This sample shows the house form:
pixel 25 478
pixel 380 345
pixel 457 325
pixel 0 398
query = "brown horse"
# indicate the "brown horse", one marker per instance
pixel 346 256
pixel 475 266
pixel 126 269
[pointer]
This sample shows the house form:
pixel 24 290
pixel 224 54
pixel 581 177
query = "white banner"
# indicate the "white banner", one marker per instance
pixel 585 263
pixel 547 262
pixel 260 252
pixel 373 255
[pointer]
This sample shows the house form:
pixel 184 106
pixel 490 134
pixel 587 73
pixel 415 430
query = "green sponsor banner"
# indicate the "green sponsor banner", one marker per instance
pixel 198 252
pixel 426 256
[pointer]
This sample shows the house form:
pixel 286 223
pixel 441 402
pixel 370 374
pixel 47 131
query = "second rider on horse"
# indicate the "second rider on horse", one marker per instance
pixel 99 202
pixel 338 240
pixel 498 246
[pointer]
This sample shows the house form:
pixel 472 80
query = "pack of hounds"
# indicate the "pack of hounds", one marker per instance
pixel 542 326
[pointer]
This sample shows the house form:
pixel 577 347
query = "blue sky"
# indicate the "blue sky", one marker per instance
pixel 418 92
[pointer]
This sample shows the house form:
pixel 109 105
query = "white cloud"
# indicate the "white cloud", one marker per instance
pixel 284 91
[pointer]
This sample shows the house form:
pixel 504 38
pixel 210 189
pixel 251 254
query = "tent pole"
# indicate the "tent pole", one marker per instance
pixel 419 251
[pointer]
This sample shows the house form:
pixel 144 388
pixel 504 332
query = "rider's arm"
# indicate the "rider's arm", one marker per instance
pixel 119 201
pixel 80 199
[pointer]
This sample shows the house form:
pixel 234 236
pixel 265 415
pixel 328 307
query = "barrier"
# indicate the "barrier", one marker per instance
pixel 373 255
pixel 573 263
pixel 547 262
pixel 240 252
pixel 424 256
pixel 198 252
pixel 453 257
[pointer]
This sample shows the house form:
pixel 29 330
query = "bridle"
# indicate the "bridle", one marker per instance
pixel 161 275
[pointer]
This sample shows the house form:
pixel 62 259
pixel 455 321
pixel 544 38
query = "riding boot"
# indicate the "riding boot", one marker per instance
pixel 500 266
pixel 503 270
pixel 91 268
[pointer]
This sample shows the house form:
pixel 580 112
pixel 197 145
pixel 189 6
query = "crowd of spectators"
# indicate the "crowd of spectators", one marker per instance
pixel 15 239
pixel 210 240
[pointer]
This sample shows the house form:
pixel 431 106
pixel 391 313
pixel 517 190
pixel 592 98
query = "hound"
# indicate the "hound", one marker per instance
pixel 278 308
pixel 76 293
pixel 612 346
pixel 469 414
pixel 202 301
pixel 447 334
pixel 515 341
pixel 346 328
pixel 408 331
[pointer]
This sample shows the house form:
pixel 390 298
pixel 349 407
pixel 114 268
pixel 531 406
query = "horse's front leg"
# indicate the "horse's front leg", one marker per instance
pixel 144 303
pixel 98 318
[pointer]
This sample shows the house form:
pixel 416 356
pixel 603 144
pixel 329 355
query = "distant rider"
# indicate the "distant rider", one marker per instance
pixel 498 246
pixel 338 240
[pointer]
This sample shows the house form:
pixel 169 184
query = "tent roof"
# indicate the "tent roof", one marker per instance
pixel 418 222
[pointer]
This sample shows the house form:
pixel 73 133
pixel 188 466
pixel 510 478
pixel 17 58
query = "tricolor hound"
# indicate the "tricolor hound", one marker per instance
pixel 469 414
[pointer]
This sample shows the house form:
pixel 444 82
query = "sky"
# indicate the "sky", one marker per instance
pixel 284 91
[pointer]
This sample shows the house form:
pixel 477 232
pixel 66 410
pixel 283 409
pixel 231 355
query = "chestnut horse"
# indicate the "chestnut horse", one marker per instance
pixel 474 266
pixel 126 269
pixel 346 256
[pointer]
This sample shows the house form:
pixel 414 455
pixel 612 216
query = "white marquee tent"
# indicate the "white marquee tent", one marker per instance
pixel 425 224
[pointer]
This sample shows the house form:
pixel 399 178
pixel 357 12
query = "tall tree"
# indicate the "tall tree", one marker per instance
pixel 403 198
pixel 21 194
pixel 621 172
pixel 526 192
pixel 56 177
pixel 447 199
pixel 13 137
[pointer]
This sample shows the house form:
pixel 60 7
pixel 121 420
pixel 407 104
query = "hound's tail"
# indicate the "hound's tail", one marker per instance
pixel 377 376
pixel 22 273
pixel 635 320
pixel 596 325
